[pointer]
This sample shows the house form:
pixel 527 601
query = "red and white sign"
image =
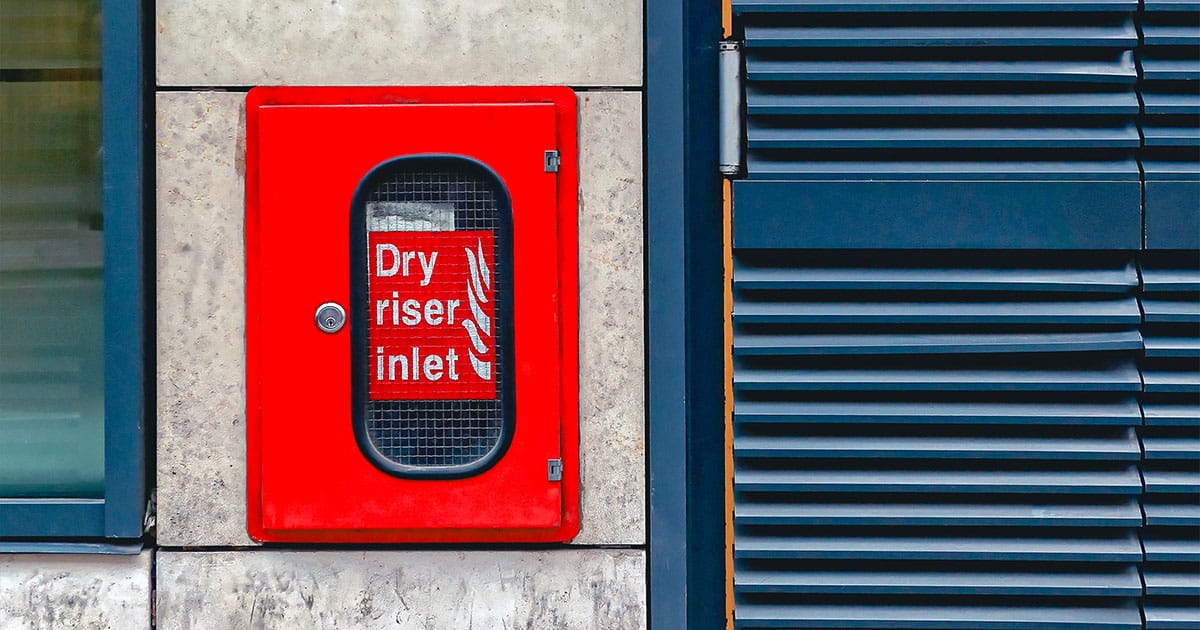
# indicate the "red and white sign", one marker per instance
pixel 432 330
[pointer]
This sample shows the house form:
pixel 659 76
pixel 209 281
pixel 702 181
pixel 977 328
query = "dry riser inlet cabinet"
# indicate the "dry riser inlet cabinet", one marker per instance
pixel 411 326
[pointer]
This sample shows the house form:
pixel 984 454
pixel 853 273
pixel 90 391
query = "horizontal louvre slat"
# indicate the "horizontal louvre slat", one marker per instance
pixel 1161 447
pixel 1172 136
pixel 1169 280
pixel 1105 280
pixel 1171 617
pixel 1153 6
pixel 1171 104
pixel 1049 549
pixel 1122 311
pixel 1181 382
pixel 1173 347
pixel 831 480
pixel 1171 550
pixel 793 345
pixel 903 170
pixel 1118 583
pixel 1122 413
pixel 743 7
pixel 1165 583
pixel 1185 482
pixel 764 102
pixel 1165 170
pixel 1167 69
pixel 783 137
pixel 1118 69
pixel 1171 311
pixel 1172 514
pixel 1122 35
pixel 1167 414
pixel 942 515
pixel 965 617
pixel 1124 447
pixel 1121 377
pixel 1172 35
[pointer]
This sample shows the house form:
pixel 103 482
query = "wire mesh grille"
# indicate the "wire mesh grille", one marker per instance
pixel 439 433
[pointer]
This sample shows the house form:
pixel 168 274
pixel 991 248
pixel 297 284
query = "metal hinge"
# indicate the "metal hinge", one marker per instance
pixel 551 161
pixel 729 107
pixel 554 469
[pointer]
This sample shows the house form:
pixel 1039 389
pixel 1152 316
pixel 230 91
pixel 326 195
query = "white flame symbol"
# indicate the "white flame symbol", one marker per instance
pixel 481 280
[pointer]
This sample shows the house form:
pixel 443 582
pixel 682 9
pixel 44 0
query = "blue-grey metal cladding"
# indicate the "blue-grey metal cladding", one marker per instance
pixel 1170 70
pixel 1171 439
pixel 936 125
pixel 684 368
pixel 936 441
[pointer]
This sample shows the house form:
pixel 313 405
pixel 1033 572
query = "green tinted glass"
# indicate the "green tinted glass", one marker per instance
pixel 51 251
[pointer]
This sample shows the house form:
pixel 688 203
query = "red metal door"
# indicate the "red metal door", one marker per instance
pixel 308 152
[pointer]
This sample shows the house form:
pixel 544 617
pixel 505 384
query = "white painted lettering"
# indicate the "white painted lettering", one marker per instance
pixel 382 271
pixel 412 312
pixel 433 367
pixel 427 267
pixel 407 257
pixel 451 361
pixel 392 360
pixel 433 312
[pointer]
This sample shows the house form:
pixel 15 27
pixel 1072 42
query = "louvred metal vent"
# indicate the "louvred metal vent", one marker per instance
pixel 916 124
pixel 1171 439
pixel 1170 70
pixel 935 440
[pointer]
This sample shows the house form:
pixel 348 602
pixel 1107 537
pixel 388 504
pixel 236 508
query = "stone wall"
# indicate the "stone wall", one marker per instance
pixel 209 573
pixel 205 572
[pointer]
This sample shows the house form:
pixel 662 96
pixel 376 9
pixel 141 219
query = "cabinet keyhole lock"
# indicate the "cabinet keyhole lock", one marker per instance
pixel 330 317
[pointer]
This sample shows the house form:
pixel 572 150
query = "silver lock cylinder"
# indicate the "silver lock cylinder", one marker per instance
pixel 330 317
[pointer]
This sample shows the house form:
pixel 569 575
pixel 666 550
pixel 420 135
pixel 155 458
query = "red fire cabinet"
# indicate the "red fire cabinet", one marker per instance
pixel 411 323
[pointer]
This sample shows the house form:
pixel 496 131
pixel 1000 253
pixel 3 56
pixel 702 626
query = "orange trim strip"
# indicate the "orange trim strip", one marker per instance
pixel 727 18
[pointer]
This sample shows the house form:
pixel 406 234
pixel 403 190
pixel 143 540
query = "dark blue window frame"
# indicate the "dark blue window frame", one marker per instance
pixel 116 520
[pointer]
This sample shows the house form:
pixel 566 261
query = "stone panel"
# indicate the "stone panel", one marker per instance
pixel 426 590
pixel 201 320
pixel 415 42
pixel 80 592
pixel 611 348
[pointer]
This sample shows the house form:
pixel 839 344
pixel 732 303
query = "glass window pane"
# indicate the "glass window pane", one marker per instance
pixel 51 251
